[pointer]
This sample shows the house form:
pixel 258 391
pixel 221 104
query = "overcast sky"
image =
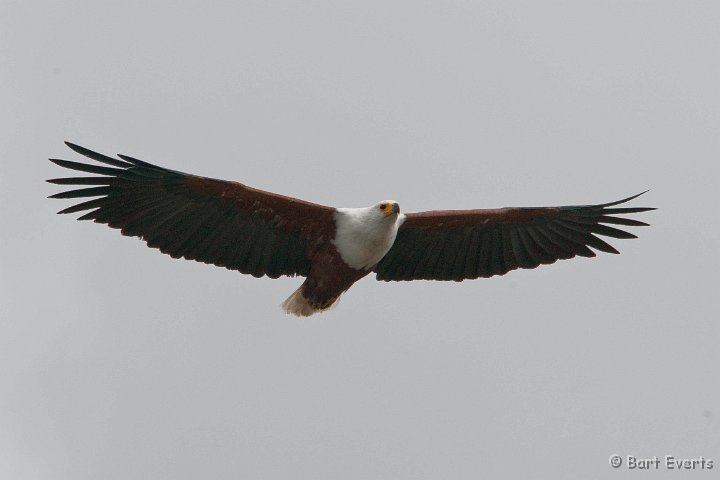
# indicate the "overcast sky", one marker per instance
pixel 121 363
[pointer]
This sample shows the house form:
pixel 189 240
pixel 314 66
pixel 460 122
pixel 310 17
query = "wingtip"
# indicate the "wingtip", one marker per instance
pixel 625 200
pixel 81 150
pixel 78 149
pixel 633 197
pixel 642 193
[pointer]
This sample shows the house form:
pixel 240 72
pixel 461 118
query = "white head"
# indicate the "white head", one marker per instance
pixel 383 214
pixel 364 235
pixel 389 208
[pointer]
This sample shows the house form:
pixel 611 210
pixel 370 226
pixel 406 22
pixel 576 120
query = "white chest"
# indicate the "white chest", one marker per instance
pixel 363 237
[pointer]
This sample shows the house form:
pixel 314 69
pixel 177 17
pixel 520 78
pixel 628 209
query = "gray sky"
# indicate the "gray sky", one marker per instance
pixel 121 363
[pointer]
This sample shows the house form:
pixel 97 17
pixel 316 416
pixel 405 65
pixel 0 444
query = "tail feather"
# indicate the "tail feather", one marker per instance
pixel 296 304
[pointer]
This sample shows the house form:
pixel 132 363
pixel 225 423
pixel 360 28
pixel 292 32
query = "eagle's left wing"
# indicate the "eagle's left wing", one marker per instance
pixel 464 244
pixel 224 223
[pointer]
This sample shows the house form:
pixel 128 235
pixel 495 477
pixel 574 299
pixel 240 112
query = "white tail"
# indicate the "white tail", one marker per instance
pixel 297 304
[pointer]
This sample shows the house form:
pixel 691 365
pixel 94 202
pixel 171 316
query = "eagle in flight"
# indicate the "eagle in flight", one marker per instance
pixel 261 233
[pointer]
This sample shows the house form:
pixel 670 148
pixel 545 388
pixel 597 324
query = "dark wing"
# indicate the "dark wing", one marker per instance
pixel 212 221
pixel 461 244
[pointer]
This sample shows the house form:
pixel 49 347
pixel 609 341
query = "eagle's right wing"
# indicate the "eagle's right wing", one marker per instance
pixel 465 244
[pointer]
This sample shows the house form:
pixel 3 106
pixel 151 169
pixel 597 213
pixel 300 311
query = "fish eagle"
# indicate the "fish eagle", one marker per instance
pixel 231 225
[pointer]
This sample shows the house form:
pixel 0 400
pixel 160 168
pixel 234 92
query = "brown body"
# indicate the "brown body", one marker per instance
pixel 329 278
